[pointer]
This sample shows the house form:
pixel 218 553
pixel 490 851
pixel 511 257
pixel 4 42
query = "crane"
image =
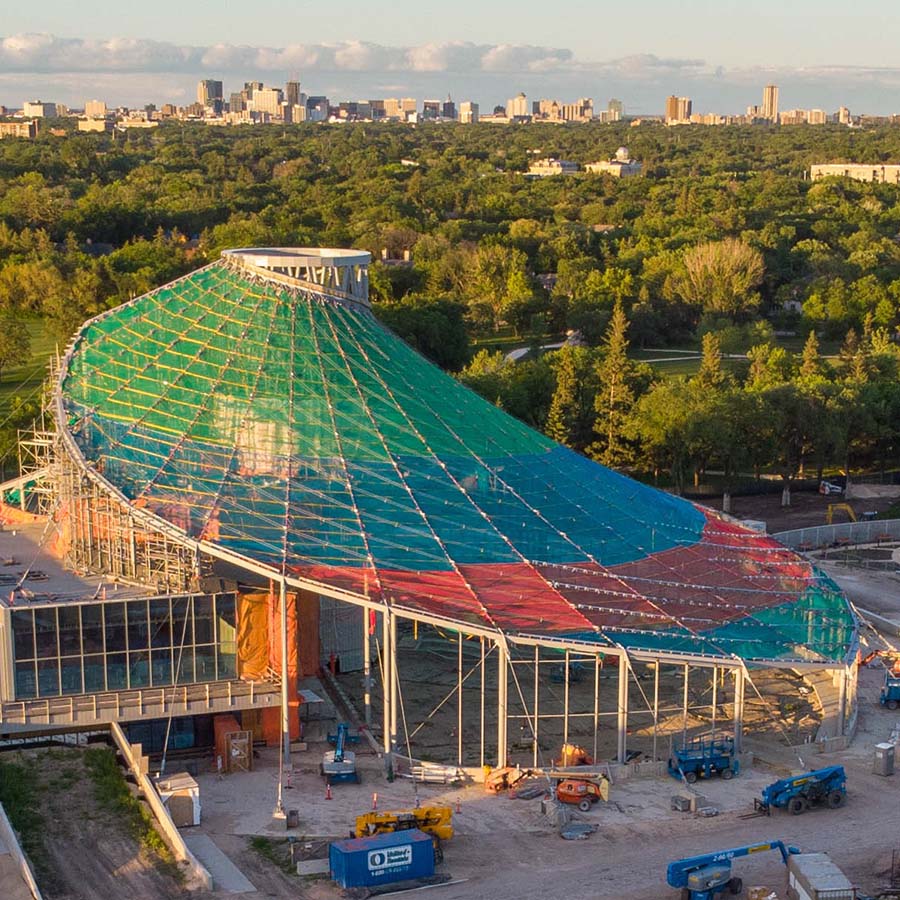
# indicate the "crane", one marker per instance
pixel 702 877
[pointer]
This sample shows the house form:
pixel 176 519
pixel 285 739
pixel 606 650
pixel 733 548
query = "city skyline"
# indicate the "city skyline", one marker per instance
pixel 134 72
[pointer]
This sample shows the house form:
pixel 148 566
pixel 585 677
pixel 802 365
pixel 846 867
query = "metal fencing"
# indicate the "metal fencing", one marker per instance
pixel 820 537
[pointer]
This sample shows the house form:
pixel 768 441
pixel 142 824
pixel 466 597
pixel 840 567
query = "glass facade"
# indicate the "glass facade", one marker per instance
pixel 117 645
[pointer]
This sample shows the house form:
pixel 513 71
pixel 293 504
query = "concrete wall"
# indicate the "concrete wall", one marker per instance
pixel 11 841
pixel 169 832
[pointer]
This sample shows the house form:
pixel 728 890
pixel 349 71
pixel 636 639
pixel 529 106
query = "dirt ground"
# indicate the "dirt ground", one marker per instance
pixel 807 509
pixel 88 852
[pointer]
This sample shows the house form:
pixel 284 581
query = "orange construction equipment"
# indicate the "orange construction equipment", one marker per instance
pixel 573 755
pixel 503 778
pixel 583 794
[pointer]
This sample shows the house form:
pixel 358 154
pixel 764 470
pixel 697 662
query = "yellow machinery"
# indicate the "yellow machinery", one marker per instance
pixel 434 820
pixel 836 507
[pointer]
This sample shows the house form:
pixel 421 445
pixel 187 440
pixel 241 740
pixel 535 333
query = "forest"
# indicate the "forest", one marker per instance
pixel 788 291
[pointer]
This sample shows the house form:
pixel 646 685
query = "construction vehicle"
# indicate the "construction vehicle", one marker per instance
pixel 436 821
pixel 704 757
pixel 702 877
pixel 583 792
pixel 573 755
pixel 504 777
pixel 826 786
pixel 339 765
pixel 839 507
pixel 890 690
pixel 433 820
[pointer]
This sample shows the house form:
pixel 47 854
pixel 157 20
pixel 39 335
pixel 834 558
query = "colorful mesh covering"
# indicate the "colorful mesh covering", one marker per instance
pixel 293 429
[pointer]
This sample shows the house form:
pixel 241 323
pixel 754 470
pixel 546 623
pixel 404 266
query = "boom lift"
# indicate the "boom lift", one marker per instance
pixel 434 820
pixel 822 786
pixel 702 877
pixel 340 764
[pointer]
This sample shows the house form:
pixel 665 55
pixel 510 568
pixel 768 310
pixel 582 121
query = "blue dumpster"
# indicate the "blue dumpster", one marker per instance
pixel 381 859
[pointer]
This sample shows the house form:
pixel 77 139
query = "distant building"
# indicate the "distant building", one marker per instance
pixel 770 102
pixel 38 109
pixel 448 109
pixel 517 107
pixel 431 109
pixel 468 112
pixel 19 129
pixel 877 173
pixel 678 110
pixel 95 109
pixel 615 110
pixel 268 100
pixel 102 125
pixel 843 116
pixel 620 166
pixel 817 117
pixel 582 110
pixel 292 92
pixel 545 168
pixel 208 92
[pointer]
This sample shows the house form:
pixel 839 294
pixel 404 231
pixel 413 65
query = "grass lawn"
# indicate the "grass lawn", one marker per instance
pixel 25 379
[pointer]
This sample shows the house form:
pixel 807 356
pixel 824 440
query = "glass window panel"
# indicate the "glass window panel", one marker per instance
pixel 139 669
pixel 26 680
pixel 205 661
pixel 186 666
pixel 162 667
pixel 226 660
pixel 45 632
pixel 138 629
pixel 69 631
pixel 116 672
pixel 23 634
pixel 203 620
pixel 48 677
pixel 160 623
pixel 94 673
pixel 71 675
pixel 225 617
pixel 92 628
pixel 114 618
pixel 182 631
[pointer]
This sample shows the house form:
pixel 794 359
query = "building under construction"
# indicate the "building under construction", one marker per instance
pixel 292 485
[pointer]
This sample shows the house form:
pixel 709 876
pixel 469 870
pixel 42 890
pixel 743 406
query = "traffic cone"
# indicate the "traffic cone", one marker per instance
pixel 374 801
pixel 327 790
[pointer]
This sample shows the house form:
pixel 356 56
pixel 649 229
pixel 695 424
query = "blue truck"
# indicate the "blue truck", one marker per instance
pixel 821 787
pixel 890 690
pixel 703 757
pixel 703 877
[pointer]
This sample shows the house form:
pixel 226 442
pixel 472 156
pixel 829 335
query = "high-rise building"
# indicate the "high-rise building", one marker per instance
pixel 770 102
pixel 448 109
pixel 678 109
pixel 237 103
pixel 517 106
pixel 268 100
pixel 468 112
pixel 843 116
pixel 38 109
pixel 292 92
pixel 615 109
pixel 431 109
pixel 95 109
pixel 209 91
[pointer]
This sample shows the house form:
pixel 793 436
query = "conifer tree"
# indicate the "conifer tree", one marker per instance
pixel 615 394
pixel 570 418
pixel 711 375
pixel 810 361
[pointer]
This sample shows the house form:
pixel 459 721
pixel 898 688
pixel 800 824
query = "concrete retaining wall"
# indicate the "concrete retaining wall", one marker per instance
pixel 10 839
pixel 169 832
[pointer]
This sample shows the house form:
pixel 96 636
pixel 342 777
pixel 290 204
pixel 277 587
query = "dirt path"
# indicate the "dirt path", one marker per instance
pixel 87 852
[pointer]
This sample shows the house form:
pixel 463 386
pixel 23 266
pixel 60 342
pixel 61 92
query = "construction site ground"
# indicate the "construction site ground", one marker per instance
pixel 508 850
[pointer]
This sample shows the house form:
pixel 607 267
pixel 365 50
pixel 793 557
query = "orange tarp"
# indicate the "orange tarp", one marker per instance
pixel 252 636
pixel 271 718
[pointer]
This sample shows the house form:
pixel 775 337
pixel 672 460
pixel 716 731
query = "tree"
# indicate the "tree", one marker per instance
pixel 15 342
pixel 721 276
pixel 810 361
pixel 711 375
pixel 571 416
pixel 616 376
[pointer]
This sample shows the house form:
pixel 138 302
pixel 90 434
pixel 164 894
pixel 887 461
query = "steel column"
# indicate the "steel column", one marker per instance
pixel 622 718
pixel 738 710
pixel 367 668
pixel 502 689
pixel 285 683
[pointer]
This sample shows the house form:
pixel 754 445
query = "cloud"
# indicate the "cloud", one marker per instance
pixel 44 53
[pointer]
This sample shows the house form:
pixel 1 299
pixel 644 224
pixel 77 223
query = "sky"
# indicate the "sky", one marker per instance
pixel 719 52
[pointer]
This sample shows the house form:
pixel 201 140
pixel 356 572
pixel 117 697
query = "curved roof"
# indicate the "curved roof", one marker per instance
pixel 268 417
